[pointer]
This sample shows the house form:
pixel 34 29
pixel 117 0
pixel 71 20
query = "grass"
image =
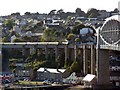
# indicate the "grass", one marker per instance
pixel 30 83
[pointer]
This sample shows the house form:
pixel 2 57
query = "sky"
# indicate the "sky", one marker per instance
pixel 45 6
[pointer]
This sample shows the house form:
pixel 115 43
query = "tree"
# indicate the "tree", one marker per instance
pixel 49 34
pixel 27 13
pixel 17 40
pixel 76 29
pixel 37 13
pixel 71 37
pixel 9 23
pixel 116 10
pixel 52 12
pixel 67 63
pixel 93 13
pixel 17 13
pixel 75 67
pixel 5 39
pixel 80 13
pixel 77 40
pixel 60 11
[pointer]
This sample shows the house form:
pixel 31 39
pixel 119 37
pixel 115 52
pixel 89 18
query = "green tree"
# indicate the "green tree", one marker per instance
pixel 27 13
pixel 76 29
pixel 9 23
pixel 77 39
pixel 93 13
pixel 17 13
pixel 61 11
pixel 116 10
pixel 67 63
pixel 17 40
pixel 50 34
pixel 80 13
pixel 75 67
pixel 71 37
pixel 52 12
pixel 5 39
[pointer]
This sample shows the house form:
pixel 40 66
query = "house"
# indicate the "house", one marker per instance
pixel 22 73
pixel 17 29
pixel 103 14
pixel 89 80
pixel 50 74
pixel 87 35
pixel 72 79
pixel 114 68
pixel 81 19
pixel 13 38
pixel 23 22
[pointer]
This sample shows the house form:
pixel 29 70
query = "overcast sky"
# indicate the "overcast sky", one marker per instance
pixel 45 6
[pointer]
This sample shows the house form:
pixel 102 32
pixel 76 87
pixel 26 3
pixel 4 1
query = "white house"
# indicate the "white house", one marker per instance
pixel 50 74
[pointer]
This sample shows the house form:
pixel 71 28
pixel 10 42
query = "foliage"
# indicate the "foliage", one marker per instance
pixel 80 12
pixel 52 12
pixel 61 11
pixel 12 64
pixel 18 40
pixel 116 10
pixel 93 13
pixel 30 83
pixel 35 65
pixel 77 39
pixel 75 67
pixel 67 63
pixel 5 39
pixel 60 60
pixel 70 36
pixel 76 29
pixel 9 23
pixel 34 61
pixel 26 38
pixel 13 60
pixel 94 31
pixel 32 57
pixel 27 13
pixel 17 13
pixel 52 34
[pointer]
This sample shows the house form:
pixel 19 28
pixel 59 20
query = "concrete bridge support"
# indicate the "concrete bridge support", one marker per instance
pixel 46 52
pixel 93 63
pixel 85 60
pixel 66 53
pixel 71 54
pixel 32 50
pixel 56 52
pixel 24 53
pixel 75 51
pixel 0 59
pixel 103 75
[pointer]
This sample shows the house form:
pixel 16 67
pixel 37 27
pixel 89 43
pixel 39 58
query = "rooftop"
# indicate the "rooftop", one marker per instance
pixel 51 70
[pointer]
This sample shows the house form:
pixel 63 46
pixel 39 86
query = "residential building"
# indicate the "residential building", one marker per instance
pixel 103 14
pixel 22 73
pixel 72 79
pixel 54 75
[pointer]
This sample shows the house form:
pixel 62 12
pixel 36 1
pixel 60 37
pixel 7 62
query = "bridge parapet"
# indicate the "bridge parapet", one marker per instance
pixel 42 45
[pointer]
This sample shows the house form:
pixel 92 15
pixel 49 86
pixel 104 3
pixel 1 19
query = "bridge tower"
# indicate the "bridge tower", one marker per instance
pixel 108 39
